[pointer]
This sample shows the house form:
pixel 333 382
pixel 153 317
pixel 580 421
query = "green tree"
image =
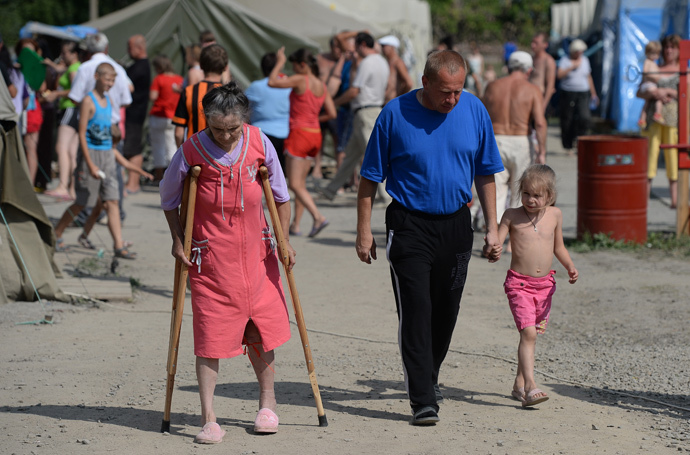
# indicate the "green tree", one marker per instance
pixel 490 20
pixel 15 13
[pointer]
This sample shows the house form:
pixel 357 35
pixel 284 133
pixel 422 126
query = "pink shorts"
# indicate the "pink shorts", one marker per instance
pixel 530 299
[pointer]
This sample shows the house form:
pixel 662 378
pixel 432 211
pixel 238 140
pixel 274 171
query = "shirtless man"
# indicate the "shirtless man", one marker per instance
pixel 544 73
pixel 399 80
pixel 513 103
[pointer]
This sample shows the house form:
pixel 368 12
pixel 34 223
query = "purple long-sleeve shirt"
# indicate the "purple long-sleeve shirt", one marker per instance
pixel 173 180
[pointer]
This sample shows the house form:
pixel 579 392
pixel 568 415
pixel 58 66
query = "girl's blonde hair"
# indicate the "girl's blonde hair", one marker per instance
pixel 540 176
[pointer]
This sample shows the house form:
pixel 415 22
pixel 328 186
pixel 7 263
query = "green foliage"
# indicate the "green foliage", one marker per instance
pixel 490 20
pixel 664 242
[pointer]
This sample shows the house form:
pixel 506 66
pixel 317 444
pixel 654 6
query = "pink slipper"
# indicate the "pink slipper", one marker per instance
pixel 266 421
pixel 211 433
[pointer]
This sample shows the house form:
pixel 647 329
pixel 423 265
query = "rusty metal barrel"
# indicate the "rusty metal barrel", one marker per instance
pixel 612 187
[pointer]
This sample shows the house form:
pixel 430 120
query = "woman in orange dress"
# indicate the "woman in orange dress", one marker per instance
pixel 308 95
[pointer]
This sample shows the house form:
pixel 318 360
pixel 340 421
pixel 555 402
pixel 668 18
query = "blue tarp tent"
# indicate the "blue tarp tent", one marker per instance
pixel 626 28
pixel 675 18
pixel 67 32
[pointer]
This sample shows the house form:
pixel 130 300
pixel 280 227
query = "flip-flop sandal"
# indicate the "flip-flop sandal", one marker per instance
pixel 295 233
pixel 316 229
pixel 266 421
pixel 60 246
pixel 85 242
pixel 531 401
pixel 211 433
pixel 124 253
pixel 59 196
pixel 518 394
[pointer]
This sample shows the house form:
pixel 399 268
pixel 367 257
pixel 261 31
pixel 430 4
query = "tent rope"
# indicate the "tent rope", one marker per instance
pixel 21 258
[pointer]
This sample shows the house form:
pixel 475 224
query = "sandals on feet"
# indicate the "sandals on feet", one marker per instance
pixel 266 421
pixel 530 399
pixel 518 394
pixel 124 253
pixel 211 433
pixel 60 246
pixel 85 242
pixel 316 229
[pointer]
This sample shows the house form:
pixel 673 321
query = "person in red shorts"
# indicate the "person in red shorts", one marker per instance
pixel 303 143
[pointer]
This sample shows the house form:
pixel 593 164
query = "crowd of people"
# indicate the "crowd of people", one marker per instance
pixel 488 143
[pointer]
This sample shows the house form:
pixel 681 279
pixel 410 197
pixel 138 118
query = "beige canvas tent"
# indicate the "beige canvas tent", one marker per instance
pixel 318 20
pixel 27 239
pixel 308 18
pixel 169 25
pixel 409 20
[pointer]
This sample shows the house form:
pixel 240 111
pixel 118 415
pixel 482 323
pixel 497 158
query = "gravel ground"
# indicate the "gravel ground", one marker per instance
pixel 614 358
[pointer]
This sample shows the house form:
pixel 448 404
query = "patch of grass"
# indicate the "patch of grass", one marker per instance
pixel 666 242
pixel 91 266
pixel 134 282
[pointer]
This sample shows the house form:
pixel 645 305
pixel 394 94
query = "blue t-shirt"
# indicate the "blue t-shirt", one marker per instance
pixel 98 134
pixel 270 108
pixel 429 159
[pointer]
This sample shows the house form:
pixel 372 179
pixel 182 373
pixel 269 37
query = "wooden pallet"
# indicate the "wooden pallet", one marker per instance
pixel 102 288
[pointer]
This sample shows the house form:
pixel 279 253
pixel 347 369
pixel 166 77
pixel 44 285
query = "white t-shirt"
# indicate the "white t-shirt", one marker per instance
pixel 371 80
pixel 576 80
pixel 84 82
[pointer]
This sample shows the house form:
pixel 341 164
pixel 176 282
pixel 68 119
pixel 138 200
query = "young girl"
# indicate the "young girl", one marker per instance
pixel 536 235
pixel 650 78
pixel 308 95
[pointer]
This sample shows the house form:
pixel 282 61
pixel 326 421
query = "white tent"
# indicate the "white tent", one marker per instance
pixel 410 20
pixel 319 20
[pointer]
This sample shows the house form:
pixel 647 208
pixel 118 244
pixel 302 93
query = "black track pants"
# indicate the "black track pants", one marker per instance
pixel 428 256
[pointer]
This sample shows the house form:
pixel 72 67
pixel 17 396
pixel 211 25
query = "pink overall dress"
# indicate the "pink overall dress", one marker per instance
pixel 235 276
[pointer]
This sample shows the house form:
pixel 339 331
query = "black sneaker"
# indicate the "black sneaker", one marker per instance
pixel 439 395
pixel 425 416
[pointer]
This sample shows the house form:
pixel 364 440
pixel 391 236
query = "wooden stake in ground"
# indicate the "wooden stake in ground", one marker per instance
pixel 180 288
pixel 294 296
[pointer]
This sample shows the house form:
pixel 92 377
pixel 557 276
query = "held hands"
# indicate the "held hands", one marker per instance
pixel 492 252
pixel 573 274
pixel 366 247
pixel 492 248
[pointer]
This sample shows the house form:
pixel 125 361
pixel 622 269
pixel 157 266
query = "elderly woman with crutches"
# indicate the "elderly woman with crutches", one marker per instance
pixel 237 295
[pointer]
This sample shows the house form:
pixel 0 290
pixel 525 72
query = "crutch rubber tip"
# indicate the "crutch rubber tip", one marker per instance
pixel 165 427
pixel 323 421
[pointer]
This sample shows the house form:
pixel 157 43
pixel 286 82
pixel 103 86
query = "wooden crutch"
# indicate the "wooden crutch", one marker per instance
pixel 294 296
pixel 180 288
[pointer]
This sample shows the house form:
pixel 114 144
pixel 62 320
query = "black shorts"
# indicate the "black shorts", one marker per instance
pixel 69 117
pixel 133 135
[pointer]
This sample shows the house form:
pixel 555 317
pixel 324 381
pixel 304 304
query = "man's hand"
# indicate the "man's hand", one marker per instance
pixel 492 249
pixel 491 252
pixel 366 247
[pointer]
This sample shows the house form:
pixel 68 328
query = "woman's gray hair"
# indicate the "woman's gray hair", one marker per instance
pixel 226 100
pixel 96 42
